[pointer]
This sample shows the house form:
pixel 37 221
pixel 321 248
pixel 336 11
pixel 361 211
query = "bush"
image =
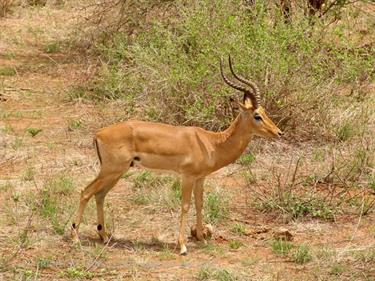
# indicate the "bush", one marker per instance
pixel 168 68
pixel 5 6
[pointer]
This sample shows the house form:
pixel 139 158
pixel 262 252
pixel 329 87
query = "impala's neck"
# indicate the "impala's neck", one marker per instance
pixel 231 143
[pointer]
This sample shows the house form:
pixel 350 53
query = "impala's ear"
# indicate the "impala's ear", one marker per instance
pixel 243 107
pixel 247 101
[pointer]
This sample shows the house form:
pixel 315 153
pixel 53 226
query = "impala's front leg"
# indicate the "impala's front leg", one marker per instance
pixel 198 199
pixel 187 187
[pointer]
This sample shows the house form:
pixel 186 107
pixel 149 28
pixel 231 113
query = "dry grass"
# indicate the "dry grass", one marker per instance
pixel 326 201
pixel 5 7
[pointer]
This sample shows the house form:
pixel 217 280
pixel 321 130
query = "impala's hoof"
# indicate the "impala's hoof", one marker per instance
pixel 104 238
pixel 74 234
pixel 75 240
pixel 206 232
pixel 183 251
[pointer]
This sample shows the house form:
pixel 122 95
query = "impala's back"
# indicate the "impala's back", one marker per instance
pixel 152 145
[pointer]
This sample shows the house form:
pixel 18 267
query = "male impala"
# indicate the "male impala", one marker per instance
pixel 192 152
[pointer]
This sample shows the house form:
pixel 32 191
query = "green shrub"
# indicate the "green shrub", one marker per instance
pixel 8 71
pixel 239 229
pixel 302 254
pixel 33 131
pixel 281 247
pixel 172 65
pixel 52 202
pixel 215 206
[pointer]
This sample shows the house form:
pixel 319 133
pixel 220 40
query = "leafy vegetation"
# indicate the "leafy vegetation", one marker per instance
pixel 158 60
pixel 247 159
pixel 281 247
pixel 8 71
pixel 215 206
pixel 33 131
pixel 5 7
pixel 239 229
pixel 207 273
pixel 302 254
pixel 49 204
pixel 299 66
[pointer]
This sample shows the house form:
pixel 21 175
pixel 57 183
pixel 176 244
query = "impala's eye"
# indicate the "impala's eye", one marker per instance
pixel 258 117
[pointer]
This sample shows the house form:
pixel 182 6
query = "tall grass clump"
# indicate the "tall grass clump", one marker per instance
pixel 166 69
pixel 52 202
pixel 5 7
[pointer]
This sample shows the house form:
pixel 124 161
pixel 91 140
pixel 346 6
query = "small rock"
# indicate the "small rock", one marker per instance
pixel 282 234
pixel 207 231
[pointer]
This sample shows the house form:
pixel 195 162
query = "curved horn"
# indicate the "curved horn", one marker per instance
pixel 247 93
pixel 252 84
pixel 230 83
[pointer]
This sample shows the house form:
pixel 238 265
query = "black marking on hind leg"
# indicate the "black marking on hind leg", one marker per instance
pixel 100 227
pixel 132 164
pixel 74 225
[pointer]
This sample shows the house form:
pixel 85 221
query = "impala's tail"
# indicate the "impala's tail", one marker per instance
pixel 95 141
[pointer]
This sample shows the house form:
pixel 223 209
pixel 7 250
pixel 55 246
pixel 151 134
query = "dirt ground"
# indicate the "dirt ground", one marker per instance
pixel 36 74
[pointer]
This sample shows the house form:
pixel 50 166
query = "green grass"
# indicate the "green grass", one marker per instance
pixel 75 125
pixel 239 229
pixel 281 247
pixel 77 273
pixel 176 63
pixel 28 274
pixel 337 269
pixel 33 131
pixel 371 184
pixel 8 129
pixel 43 262
pixel 77 92
pixel 235 244
pixel 216 206
pixel 366 255
pixel 247 159
pixel 52 48
pixel 36 2
pixel 298 205
pixel 17 143
pixel 214 249
pixel 174 196
pixel 167 253
pixel 301 254
pixel 5 186
pixel 345 132
pixel 28 175
pixel 7 71
pixel 208 273
pixel 53 202
pixel 249 177
pixel 163 192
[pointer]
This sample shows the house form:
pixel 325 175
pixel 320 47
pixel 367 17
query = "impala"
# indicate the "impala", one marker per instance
pixel 192 152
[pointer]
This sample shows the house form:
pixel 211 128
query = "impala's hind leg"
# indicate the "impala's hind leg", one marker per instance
pixel 99 198
pixel 102 181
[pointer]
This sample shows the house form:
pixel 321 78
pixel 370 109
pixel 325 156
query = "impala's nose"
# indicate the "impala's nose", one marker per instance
pixel 280 133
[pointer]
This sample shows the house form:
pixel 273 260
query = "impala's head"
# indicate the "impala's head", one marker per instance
pixel 250 108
